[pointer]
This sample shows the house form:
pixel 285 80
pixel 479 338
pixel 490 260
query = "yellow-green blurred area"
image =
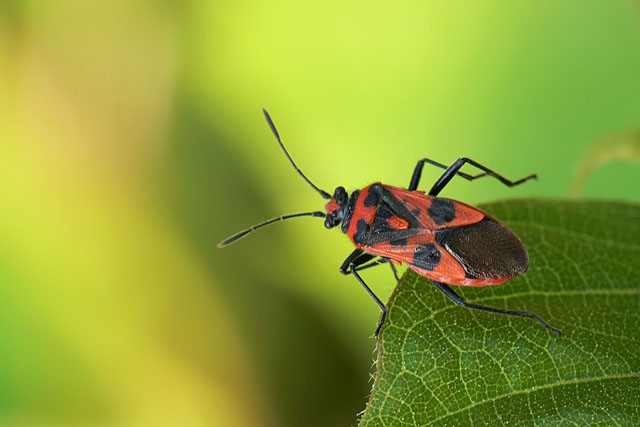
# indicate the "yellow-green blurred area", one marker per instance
pixel 132 142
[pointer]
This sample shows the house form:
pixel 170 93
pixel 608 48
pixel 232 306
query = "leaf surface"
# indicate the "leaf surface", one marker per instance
pixel 442 364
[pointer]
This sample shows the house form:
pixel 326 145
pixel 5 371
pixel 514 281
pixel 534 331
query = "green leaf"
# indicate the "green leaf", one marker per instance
pixel 442 364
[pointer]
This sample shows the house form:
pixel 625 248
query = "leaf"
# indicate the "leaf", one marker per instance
pixel 442 364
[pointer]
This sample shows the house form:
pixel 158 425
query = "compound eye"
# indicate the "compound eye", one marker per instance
pixel 329 221
pixel 341 196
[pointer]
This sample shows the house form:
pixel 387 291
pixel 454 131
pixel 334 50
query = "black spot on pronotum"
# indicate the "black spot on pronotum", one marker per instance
pixel 360 236
pixel 374 196
pixel 416 212
pixel 427 256
pixel 442 211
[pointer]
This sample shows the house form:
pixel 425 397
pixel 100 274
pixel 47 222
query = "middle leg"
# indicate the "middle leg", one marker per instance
pixel 360 260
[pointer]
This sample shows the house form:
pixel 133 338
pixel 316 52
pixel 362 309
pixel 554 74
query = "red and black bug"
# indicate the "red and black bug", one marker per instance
pixel 445 240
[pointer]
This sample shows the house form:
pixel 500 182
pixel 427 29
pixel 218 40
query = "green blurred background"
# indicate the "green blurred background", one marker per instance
pixel 132 142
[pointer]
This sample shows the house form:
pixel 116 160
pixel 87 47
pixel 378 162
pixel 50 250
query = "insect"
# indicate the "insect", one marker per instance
pixel 445 240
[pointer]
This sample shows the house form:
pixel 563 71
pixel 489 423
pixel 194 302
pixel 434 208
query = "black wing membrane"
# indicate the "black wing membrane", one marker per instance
pixel 486 249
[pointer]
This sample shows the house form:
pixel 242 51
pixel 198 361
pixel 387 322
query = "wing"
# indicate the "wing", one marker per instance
pixel 487 250
pixel 423 254
pixel 444 240
pixel 436 212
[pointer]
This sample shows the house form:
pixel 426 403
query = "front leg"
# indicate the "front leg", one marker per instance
pixel 363 264
pixel 358 258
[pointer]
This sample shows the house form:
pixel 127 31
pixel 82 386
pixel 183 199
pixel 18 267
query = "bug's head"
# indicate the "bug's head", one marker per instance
pixel 336 207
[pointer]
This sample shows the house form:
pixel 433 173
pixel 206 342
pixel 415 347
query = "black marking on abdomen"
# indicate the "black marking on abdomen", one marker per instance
pixel 442 211
pixel 426 257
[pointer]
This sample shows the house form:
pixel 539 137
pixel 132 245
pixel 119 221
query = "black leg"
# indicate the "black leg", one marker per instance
pixel 356 258
pixel 355 261
pixel 450 293
pixel 395 272
pixel 378 262
pixel 373 263
pixel 375 298
pixel 360 258
pixel 455 167
pixel 417 173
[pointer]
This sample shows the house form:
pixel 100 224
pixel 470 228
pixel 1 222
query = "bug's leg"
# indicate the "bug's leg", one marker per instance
pixel 355 259
pixel 377 262
pixel 361 260
pixel 373 263
pixel 417 173
pixel 358 258
pixel 393 269
pixel 383 317
pixel 450 293
pixel 455 167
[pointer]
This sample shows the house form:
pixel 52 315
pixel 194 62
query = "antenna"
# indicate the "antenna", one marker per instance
pixel 243 233
pixel 275 133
